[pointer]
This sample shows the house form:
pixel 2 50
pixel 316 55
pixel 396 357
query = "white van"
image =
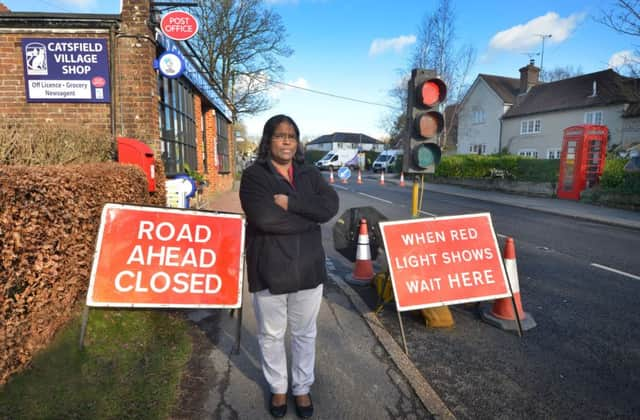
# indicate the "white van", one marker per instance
pixel 338 158
pixel 386 161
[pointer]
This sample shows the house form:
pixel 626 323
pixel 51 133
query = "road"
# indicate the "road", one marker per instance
pixel 579 280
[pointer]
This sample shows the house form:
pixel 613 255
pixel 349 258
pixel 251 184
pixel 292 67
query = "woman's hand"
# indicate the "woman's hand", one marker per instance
pixel 282 200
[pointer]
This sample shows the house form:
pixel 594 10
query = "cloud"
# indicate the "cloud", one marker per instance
pixel 525 36
pixel 379 45
pixel 278 88
pixel 623 58
pixel 81 4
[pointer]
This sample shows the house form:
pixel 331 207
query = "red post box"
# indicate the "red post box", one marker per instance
pixel 136 152
pixel 584 149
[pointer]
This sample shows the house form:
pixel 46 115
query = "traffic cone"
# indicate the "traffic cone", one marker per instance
pixel 331 180
pixel 359 176
pixel 402 179
pixel 381 177
pixel 344 180
pixel 363 269
pixel 502 314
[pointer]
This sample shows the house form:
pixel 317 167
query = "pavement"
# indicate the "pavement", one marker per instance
pixel 361 371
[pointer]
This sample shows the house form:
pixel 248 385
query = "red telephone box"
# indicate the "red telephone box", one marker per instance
pixel 584 149
pixel 138 153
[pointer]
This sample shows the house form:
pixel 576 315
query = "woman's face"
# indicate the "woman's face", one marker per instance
pixel 284 143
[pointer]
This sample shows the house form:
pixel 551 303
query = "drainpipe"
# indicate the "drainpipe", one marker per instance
pixel 112 79
pixel 500 137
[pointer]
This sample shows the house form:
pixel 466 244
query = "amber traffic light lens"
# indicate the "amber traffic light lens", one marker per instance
pixel 429 124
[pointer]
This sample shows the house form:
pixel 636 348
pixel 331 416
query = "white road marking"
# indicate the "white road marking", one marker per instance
pixel 376 198
pixel 427 213
pixel 340 187
pixel 604 267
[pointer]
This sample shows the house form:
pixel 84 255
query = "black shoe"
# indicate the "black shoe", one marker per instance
pixel 304 412
pixel 277 410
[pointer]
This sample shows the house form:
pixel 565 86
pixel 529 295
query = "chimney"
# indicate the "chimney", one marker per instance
pixel 528 77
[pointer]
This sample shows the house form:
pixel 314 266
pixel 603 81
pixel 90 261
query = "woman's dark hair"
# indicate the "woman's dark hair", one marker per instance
pixel 264 149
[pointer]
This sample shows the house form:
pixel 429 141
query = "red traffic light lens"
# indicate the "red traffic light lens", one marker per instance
pixel 432 92
pixel 429 93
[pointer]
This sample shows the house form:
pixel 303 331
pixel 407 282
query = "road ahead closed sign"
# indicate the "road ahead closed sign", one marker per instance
pixel 444 260
pixel 156 257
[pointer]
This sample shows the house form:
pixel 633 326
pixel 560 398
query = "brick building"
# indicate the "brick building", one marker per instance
pixel 181 118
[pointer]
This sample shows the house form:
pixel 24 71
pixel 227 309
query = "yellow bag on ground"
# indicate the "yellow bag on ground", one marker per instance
pixel 384 289
pixel 438 317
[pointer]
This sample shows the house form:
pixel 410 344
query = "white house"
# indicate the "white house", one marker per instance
pixel 526 117
pixel 480 111
pixel 338 141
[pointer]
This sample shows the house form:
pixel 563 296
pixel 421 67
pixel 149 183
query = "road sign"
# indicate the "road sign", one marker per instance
pixel 159 257
pixel 443 261
pixel 344 173
pixel 179 25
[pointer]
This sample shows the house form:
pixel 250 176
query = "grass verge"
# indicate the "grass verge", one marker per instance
pixel 130 367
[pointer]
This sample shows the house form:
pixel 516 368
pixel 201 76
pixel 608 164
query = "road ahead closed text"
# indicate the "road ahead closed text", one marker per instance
pixel 443 261
pixel 161 257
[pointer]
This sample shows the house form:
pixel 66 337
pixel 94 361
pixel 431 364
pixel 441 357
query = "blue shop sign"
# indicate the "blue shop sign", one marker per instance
pixel 66 70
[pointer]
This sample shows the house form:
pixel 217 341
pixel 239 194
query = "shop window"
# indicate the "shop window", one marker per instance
pixel 224 161
pixel 177 125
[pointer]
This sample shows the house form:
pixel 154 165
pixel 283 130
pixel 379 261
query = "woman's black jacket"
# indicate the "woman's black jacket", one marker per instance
pixel 284 248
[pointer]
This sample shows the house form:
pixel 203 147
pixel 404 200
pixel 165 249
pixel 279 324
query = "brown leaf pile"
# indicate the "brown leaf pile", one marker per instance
pixel 49 219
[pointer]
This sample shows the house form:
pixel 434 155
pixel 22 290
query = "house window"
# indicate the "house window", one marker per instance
pixel 222 131
pixel 530 127
pixel 532 153
pixel 177 125
pixel 553 153
pixel 478 116
pixel 478 149
pixel 593 117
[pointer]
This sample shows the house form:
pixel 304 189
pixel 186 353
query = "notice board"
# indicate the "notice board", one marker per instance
pixel 160 257
pixel 444 260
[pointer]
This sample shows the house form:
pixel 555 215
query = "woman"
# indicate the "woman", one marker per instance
pixel 285 201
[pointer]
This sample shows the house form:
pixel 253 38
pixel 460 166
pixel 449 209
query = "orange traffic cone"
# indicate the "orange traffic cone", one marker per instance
pixel 331 180
pixel 502 314
pixel 344 180
pixel 363 270
pixel 359 176
pixel 381 177
pixel 402 179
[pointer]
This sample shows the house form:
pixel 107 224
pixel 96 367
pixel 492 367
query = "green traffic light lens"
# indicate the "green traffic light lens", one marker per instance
pixel 426 155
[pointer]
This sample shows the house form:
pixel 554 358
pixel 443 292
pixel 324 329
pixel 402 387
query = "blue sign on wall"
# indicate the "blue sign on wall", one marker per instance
pixel 66 69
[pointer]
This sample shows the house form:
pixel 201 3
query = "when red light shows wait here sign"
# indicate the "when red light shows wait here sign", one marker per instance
pixel 157 257
pixel 444 260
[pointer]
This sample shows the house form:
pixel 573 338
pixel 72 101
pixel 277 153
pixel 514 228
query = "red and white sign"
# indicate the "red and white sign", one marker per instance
pixel 444 261
pixel 157 257
pixel 179 25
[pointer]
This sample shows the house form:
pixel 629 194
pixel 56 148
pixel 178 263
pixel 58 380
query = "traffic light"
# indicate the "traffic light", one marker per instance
pixel 424 122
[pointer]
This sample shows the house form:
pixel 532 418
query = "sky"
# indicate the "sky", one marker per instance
pixel 361 49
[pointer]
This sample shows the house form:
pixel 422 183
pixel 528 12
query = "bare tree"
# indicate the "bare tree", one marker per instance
pixel 623 16
pixel 241 42
pixel 560 73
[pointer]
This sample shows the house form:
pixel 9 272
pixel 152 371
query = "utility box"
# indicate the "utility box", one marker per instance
pixel 136 152
pixel 584 149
